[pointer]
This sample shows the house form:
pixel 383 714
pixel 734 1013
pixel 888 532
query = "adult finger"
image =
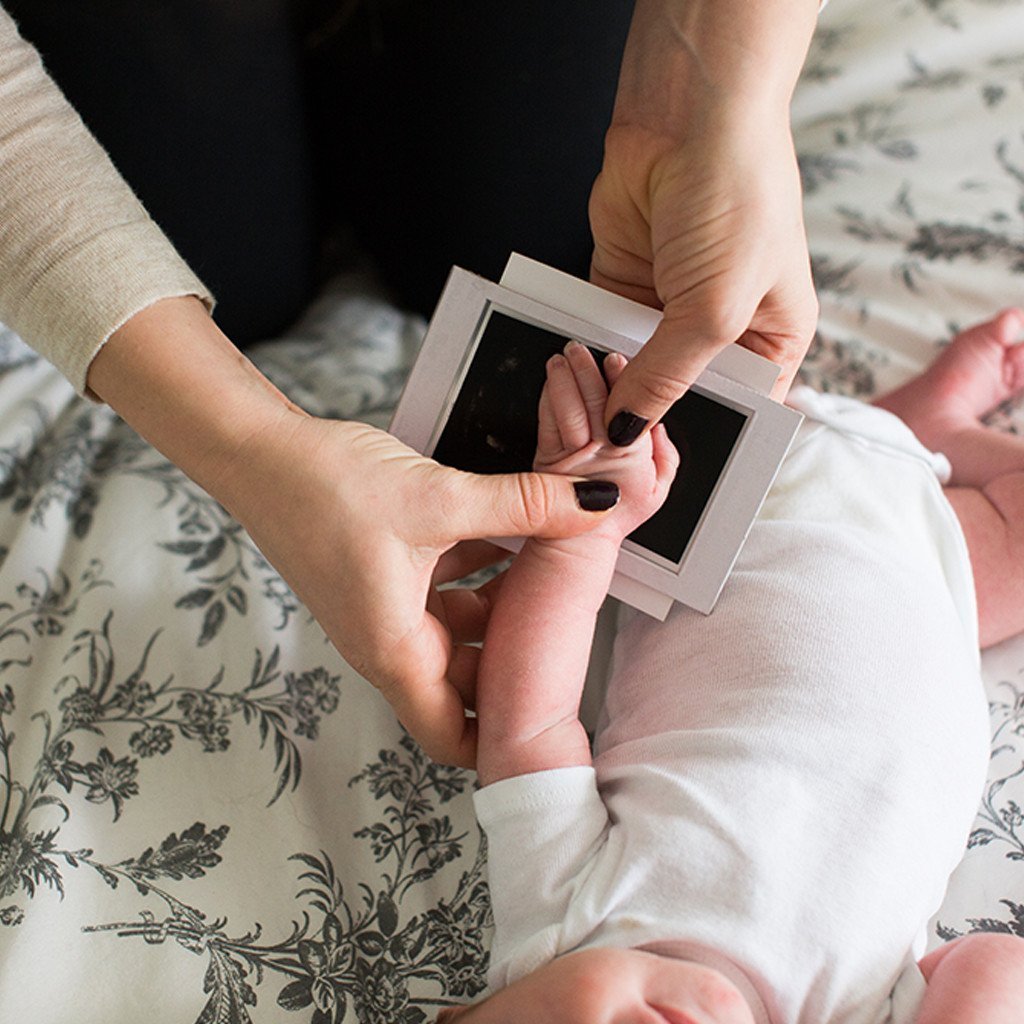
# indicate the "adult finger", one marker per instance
pixel 433 709
pixel 466 558
pixel 662 371
pixel 783 328
pixel 519 505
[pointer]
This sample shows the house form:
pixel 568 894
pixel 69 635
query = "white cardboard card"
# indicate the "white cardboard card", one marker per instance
pixel 471 402
pixel 631 319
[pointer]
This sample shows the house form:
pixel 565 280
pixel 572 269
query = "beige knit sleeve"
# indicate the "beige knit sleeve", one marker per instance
pixel 78 253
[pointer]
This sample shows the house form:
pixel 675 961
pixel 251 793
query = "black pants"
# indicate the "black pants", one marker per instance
pixel 435 131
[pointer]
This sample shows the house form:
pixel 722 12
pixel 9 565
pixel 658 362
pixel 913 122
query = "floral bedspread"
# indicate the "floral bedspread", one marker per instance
pixel 206 816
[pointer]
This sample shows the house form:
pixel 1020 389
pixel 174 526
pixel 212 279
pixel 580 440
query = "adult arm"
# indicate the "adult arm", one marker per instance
pixel 697 208
pixel 79 256
pixel 360 526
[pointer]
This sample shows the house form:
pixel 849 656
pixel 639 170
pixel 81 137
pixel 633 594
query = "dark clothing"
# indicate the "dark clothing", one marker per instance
pixel 256 131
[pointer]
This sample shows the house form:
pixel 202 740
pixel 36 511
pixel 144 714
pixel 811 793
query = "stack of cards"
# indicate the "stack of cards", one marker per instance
pixel 471 402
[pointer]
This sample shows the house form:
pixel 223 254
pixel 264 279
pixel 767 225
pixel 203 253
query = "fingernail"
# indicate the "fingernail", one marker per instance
pixel 596 495
pixel 625 428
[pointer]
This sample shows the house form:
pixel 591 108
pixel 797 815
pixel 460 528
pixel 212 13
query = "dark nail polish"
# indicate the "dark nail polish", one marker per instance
pixel 596 495
pixel 625 428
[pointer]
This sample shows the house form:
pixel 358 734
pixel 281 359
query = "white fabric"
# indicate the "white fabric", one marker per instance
pixel 789 782
pixel 907 123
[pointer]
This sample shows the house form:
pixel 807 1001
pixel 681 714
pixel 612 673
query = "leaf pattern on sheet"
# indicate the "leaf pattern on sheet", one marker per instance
pixel 912 178
pixel 1001 819
pixel 135 716
pixel 71 461
pixel 352 950
pixel 322 871
pixel 99 692
pixel 1011 925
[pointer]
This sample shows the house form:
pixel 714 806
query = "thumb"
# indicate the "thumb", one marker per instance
pixel 661 373
pixel 524 505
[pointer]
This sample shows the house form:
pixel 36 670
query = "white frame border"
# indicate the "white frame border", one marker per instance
pixel 645 580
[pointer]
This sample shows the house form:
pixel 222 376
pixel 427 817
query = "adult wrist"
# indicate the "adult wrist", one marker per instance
pixel 180 382
pixel 731 59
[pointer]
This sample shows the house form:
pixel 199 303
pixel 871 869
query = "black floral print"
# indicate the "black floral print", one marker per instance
pixel 366 953
pixel 189 772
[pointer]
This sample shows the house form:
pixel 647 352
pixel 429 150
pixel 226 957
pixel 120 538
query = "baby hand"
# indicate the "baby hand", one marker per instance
pixel 571 439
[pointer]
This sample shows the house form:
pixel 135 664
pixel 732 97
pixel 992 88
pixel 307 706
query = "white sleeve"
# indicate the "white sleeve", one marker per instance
pixel 79 255
pixel 543 832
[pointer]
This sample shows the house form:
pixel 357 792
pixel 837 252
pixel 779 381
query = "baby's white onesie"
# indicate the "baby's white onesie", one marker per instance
pixel 785 785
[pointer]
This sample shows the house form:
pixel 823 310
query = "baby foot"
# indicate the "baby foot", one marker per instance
pixel 981 367
pixel 571 438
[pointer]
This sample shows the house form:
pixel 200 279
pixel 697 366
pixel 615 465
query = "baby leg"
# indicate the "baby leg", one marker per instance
pixel 992 519
pixel 944 406
pixel 975 980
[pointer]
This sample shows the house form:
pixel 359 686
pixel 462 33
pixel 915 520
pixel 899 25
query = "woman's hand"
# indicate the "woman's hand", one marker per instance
pixel 364 529
pixel 361 527
pixel 697 208
pixel 713 233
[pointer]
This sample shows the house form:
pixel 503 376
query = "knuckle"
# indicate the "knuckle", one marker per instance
pixel 660 388
pixel 725 323
pixel 535 501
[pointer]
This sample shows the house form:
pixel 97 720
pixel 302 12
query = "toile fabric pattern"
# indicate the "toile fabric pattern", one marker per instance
pixel 206 816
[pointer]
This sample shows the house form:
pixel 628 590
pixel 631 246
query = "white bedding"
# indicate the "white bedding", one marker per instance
pixel 205 815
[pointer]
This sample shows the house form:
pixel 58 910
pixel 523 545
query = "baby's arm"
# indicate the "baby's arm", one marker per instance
pixel 538 640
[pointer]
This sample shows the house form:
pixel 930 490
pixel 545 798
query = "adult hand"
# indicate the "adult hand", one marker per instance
pixel 697 208
pixel 362 528
pixel 713 234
